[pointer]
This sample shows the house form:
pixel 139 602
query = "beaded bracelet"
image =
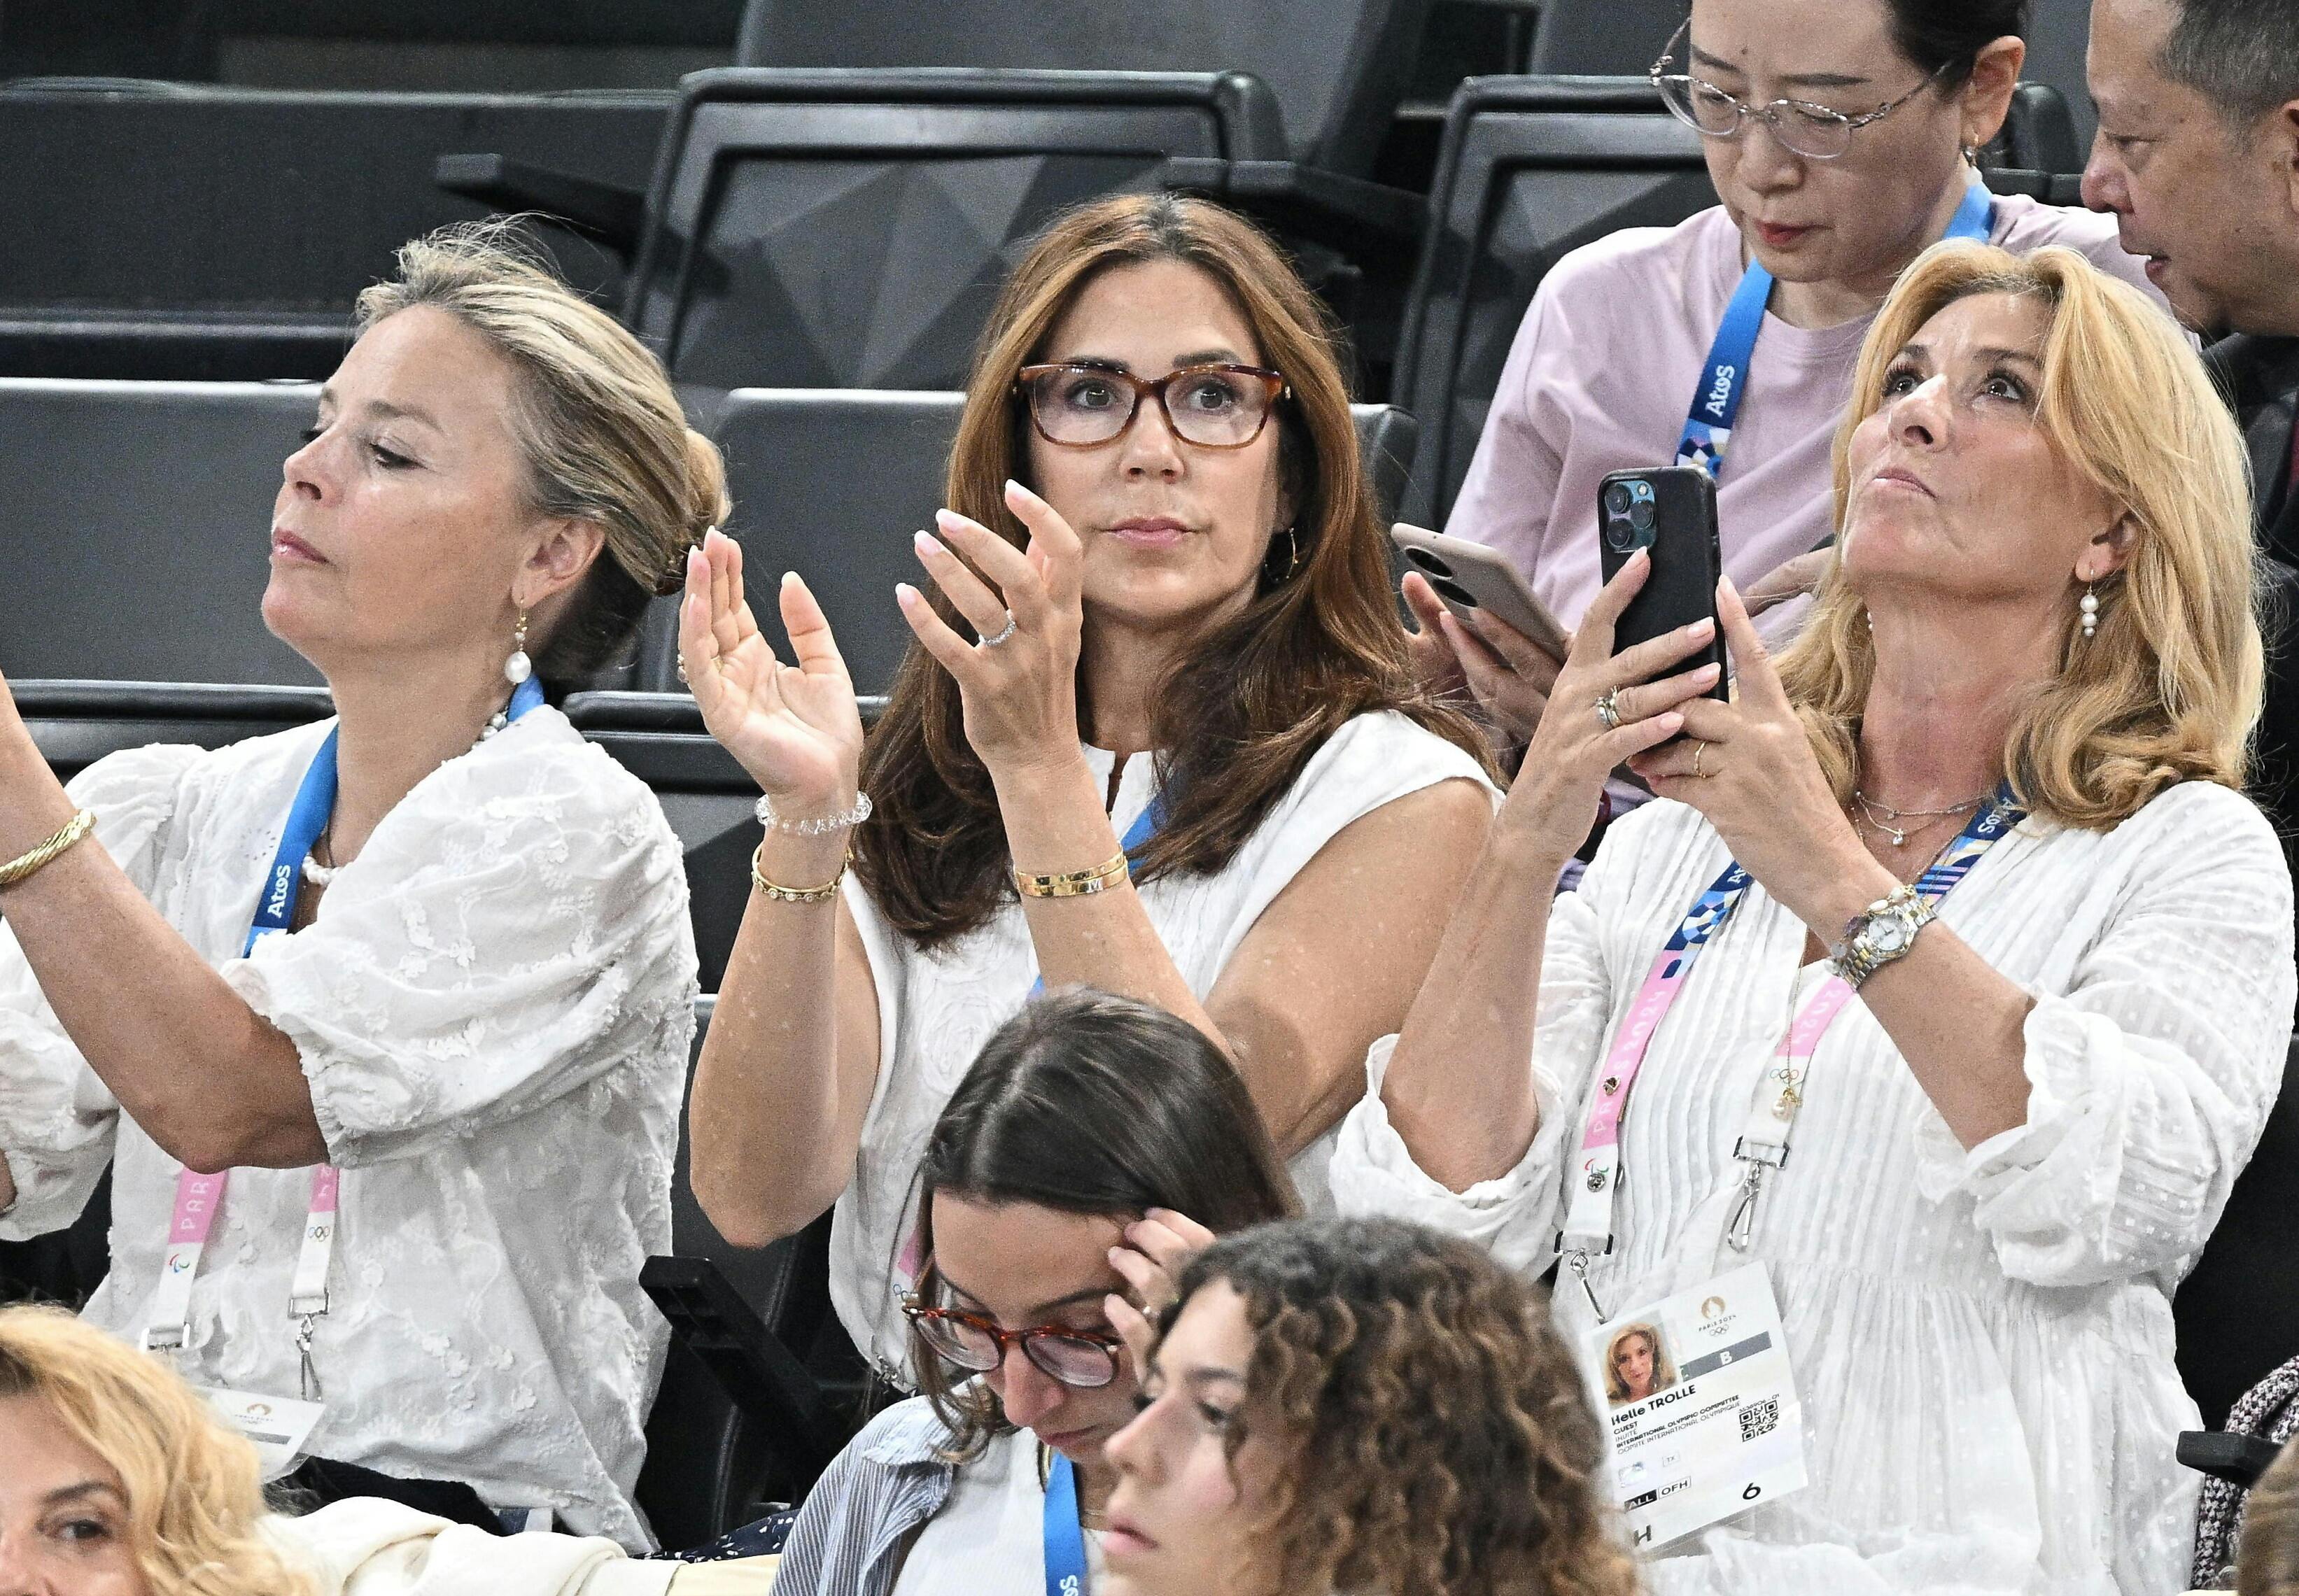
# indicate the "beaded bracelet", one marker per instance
pixel 798 894
pixel 855 816
pixel 1074 883
pixel 23 867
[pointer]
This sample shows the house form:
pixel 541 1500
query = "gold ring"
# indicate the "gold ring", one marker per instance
pixel 1608 709
pixel 1698 748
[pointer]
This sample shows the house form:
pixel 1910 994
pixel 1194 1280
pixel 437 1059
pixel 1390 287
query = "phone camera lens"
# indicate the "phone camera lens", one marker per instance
pixel 1640 515
pixel 1619 535
pixel 1617 499
pixel 1428 562
pixel 1454 593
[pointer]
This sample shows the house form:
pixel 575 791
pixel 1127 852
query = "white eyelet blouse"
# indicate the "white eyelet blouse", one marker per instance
pixel 492 1009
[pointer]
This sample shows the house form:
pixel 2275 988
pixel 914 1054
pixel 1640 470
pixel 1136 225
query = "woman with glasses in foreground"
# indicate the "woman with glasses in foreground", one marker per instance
pixel 1839 136
pixel 1048 1199
pixel 1158 735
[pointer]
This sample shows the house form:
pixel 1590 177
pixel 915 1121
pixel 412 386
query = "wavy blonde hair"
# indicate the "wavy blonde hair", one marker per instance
pixel 194 1489
pixel 1430 1434
pixel 2168 689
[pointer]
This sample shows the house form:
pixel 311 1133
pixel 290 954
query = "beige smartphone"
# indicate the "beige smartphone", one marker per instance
pixel 1470 577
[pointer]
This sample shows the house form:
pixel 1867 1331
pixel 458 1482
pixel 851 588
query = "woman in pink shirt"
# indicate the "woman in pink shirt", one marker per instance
pixel 1839 135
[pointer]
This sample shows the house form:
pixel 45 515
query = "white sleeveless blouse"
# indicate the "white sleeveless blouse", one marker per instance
pixel 936 1009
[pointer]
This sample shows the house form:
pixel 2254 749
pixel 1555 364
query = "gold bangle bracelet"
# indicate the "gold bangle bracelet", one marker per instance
pixel 1074 883
pixel 25 867
pixel 798 894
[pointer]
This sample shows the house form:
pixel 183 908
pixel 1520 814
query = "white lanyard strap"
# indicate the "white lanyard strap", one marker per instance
pixel 198 1196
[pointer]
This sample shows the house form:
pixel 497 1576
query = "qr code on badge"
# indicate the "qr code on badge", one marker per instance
pixel 1760 1418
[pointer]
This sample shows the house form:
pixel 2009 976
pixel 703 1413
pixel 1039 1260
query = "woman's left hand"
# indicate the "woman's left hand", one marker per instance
pixel 1019 682
pixel 1748 767
pixel 1159 1245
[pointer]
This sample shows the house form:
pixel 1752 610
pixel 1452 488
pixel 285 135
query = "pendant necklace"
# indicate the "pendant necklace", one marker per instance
pixel 1891 822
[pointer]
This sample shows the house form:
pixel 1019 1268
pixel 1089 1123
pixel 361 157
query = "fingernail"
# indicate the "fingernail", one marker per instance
pixel 949 517
pixel 1706 673
pixel 904 592
pixel 924 542
pixel 1701 627
pixel 1671 720
pixel 1015 487
pixel 790 577
pixel 1641 556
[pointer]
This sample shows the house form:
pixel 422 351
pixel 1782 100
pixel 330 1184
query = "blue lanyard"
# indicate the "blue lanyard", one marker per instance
pixel 1137 837
pixel 1716 402
pixel 1714 908
pixel 315 802
pixel 1065 1534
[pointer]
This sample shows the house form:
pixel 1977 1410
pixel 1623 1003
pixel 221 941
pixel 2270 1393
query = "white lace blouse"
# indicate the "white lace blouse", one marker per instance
pixel 492 1010
pixel 1982 1340
pixel 936 1009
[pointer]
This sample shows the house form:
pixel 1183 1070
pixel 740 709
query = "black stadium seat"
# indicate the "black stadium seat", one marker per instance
pixel 1338 68
pixel 820 227
pixel 174 231
pixel 140 516
pixel 1532 169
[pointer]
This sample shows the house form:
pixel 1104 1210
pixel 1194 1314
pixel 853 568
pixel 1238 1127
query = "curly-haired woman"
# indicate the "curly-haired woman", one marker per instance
pixel 2016 1105
pixel 1187 641
pixel 1359 1405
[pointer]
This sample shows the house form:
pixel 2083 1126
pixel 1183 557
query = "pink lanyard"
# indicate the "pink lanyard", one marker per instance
pixel 1763 1143
pixel 198 1196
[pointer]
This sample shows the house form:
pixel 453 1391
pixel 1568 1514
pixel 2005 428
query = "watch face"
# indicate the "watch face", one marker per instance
pixel 1888 935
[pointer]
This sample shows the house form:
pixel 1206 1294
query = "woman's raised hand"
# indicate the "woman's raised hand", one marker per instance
pixel 1748 767
pixel 1554 799
pixel 796 729
pixel 1019 683
pixel 1508 675
pixel 1158 1246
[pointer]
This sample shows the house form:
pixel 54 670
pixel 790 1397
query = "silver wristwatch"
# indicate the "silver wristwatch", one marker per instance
pixel 1885 931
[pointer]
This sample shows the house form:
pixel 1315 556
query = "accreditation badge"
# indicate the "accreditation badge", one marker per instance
pixel 278 1426
pixel 1701 1410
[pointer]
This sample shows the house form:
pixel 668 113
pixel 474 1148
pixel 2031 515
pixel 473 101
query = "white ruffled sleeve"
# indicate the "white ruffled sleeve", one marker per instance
pixel 1513 1215
pixel 513 932
pixel 57 1117
pixel 2150 1076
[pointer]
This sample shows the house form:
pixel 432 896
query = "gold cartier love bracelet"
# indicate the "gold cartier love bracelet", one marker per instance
pixel 23 867
pixel 798 894
pixel 1074 883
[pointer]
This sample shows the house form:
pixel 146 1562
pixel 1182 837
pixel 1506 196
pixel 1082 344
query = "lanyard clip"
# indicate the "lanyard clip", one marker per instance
pixel 1577 1260
pixel 1740 1229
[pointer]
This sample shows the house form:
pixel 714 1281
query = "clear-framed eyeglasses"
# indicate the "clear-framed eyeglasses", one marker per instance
pixel 1816 132
pixel 1214 407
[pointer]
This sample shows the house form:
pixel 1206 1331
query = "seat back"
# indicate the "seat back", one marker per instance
pixel 2237 1310
pixel 171 231
pixel 1609 38
pixel 851 228
pixel 1530 168
pixel 711 1467
pixel 140 513
pixel 1339 67
pixel 831 484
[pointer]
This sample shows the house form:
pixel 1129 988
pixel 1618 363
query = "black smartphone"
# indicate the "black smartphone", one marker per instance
pixel 1670 512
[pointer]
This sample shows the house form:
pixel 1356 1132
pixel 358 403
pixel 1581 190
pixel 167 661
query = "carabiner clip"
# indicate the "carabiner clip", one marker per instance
pixel 1740 1230
pixel 1577 1260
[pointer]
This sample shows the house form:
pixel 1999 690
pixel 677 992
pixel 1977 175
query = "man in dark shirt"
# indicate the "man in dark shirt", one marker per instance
pixel 2198 156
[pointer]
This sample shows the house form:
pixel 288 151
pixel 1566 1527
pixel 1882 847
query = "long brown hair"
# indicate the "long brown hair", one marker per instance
pixel 1089 1102
pixel 1428 1433
pixel 1249 703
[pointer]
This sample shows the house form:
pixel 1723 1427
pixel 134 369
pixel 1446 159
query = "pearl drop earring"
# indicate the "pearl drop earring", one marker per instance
pixel 518 667
pixel 2090 606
